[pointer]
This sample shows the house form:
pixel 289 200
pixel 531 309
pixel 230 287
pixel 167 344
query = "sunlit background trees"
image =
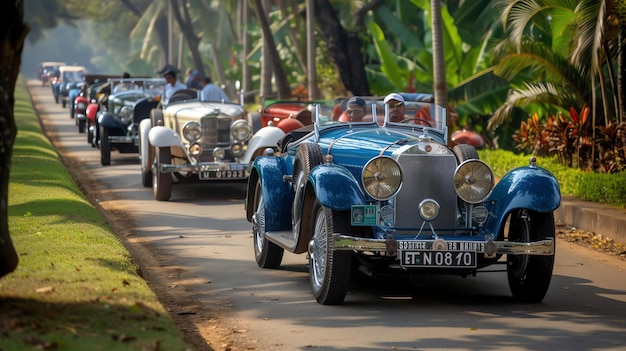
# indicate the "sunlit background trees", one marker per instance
pixel 539 76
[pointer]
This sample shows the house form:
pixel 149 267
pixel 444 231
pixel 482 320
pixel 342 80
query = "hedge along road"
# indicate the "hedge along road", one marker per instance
pixel 196 252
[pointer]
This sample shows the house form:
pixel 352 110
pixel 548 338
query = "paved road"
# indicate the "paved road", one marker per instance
pixel 203 243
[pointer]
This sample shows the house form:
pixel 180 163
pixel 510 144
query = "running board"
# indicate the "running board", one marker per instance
pixel 282 238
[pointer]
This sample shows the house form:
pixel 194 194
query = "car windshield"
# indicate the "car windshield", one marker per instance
pixel 73 76
pixel 148 86
pixel 377 112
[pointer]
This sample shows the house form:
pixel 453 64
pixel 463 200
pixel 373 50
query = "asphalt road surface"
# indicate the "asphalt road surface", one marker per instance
pixel 197 251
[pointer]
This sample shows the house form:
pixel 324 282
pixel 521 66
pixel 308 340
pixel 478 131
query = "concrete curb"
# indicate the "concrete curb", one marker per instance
pixel 592 217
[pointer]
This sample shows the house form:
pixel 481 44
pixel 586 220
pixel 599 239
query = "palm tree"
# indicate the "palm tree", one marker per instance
pixel 572 61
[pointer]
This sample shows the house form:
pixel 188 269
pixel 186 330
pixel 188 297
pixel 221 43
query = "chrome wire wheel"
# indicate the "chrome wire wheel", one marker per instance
pixel 319 251
pixel 329 269
pixel 266 253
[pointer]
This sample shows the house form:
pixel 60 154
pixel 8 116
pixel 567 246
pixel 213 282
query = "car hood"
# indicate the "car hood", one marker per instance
pixel 199 109
pixel 374 141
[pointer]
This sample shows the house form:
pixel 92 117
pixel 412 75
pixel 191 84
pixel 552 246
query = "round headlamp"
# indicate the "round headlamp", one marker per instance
pixel 126 114
pixel 238 149
pixel 195 149
pixel 192 131
pixel 428 210
pixel 382 177
pixel 218 154
pixel 241 130
pixel 473 181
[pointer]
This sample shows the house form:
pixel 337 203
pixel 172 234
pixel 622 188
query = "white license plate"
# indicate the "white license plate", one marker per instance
pixel 204 175
pixel 444 259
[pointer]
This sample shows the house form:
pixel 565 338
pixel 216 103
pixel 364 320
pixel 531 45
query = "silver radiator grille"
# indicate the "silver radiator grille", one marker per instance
pixel 216 131
pixel 426 176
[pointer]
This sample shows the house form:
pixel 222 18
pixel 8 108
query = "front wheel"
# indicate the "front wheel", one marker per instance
pixel 529 276
pixel 329 269
pixel 266 253
pixel 162 182
pixel 105 147
pixel 81 126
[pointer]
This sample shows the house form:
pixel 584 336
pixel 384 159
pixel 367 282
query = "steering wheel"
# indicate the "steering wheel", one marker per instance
pixel 407 120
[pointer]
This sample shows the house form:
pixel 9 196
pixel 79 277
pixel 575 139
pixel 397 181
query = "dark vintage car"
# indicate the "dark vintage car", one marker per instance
pixel 118 122
pixel 395 198
pixel 199 141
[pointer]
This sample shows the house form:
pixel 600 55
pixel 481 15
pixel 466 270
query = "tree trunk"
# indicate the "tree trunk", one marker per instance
pixel 14 32
pixel 345 48
pixel 282 83
pixel 440 87
pixel 186 27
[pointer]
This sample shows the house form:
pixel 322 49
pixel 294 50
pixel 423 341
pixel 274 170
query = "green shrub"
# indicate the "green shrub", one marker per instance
pixel 605 188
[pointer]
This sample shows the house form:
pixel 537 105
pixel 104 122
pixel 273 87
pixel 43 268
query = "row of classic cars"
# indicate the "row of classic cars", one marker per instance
pixel 395 198
pixel 375 197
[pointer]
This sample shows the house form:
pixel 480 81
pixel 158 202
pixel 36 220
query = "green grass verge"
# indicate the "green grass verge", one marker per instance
pixel 609 189
pixel 76 287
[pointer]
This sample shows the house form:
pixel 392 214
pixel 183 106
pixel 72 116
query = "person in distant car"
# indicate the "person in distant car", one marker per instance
pixel 194 81
pixel 124 85
pixel 172 85
pixel 211 92
pixel 396 107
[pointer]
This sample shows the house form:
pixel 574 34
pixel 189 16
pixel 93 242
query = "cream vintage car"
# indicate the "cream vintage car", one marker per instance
pixel 189 140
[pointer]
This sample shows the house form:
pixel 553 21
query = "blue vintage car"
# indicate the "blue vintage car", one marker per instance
pixel 382 197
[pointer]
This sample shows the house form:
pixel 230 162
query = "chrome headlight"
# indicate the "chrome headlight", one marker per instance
pixel 382 177
pixel 241 130
pixel 192 131
pixel 81 106
pixel 195 149
pixel 473 181
pixel 428 210
pixel 126 114
pixel 238 149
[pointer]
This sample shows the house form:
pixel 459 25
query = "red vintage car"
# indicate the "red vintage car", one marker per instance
pixel 288 114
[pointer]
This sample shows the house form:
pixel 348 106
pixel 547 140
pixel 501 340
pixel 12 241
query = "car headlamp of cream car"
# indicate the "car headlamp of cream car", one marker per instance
pixel 192 131
pixel 241 130
pixel 395 198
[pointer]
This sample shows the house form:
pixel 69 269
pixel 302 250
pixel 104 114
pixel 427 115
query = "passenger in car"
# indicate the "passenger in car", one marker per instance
pixel 211 92
pixel 172 85
pixel 355 110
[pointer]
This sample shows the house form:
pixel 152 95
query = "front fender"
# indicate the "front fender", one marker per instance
pixel 144 145
pixel 267 137
pixel 162 137
pixel 92 110
pixel 335 187
pixel 107 120
pixel 277 193
pixel 530 187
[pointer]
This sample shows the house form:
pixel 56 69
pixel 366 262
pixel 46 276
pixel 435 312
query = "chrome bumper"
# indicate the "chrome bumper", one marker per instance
pixel 124 139
pixel 538 248
pixel 225 170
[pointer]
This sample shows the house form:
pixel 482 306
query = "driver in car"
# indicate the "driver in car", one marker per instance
pixel 396 107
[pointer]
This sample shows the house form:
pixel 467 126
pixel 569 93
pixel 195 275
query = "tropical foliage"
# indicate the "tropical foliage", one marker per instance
pixel 505 61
